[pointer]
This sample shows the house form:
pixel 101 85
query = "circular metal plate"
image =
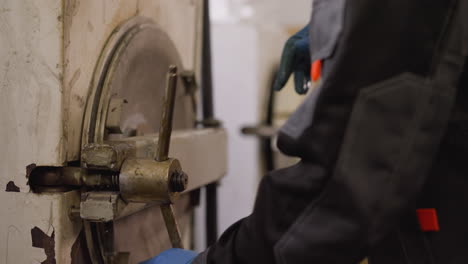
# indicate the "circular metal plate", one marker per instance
pixel 133 67
pixel 138 75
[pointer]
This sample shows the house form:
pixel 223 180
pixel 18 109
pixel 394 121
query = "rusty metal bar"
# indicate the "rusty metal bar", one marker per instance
pixel 186 145
pixel 168 111
pixel 171 225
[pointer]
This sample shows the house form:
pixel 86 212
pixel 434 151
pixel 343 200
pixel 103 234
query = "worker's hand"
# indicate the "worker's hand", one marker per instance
pixel 173 256
pixel 295 58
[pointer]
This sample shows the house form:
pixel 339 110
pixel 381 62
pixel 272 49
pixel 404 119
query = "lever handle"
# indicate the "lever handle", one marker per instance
pixel 162 153
pixel 167 211
pixel 165 131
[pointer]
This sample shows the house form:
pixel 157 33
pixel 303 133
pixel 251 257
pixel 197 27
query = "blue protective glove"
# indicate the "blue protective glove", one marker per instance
pixel 295 58
pixel 173 256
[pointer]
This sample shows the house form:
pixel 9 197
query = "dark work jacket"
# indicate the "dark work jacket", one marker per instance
pixel 386 133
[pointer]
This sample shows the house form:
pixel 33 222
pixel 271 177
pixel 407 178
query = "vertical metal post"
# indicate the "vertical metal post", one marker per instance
pixel 211 213
pixel 209 120
pixel 206 78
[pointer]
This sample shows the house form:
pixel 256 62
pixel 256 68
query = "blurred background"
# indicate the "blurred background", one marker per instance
pixel 247 37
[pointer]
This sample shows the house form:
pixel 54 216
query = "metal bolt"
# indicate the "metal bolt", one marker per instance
pixel 178 182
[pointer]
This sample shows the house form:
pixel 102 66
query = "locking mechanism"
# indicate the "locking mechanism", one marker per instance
pixel 140 180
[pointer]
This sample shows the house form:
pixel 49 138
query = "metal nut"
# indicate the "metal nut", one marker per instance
pixel 178 181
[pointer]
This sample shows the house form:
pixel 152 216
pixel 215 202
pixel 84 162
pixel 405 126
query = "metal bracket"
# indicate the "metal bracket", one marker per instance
pixel 100 206
pixel 108 156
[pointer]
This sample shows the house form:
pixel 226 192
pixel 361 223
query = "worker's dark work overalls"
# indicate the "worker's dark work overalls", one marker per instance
pixel 385 136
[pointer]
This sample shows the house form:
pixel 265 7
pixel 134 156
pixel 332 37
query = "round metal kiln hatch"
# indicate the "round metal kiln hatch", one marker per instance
pixel 132 69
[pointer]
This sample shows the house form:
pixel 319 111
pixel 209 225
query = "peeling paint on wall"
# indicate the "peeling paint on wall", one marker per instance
pixel 11 187
pixel 42 240
pixel 29 169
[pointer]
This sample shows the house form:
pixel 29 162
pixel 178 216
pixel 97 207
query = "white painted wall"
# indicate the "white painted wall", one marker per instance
pixel 272 11
pixel 247 41
pixel 236 75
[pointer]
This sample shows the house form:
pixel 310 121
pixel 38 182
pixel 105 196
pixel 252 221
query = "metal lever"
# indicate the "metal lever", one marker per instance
pixel 162 153
pixel 165 131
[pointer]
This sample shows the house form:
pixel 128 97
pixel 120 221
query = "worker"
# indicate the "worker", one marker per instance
pixel 383 142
